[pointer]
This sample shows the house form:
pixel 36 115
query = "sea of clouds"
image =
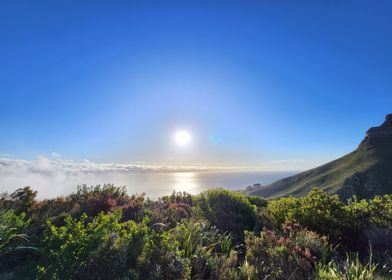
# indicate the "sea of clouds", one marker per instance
pixel 56 176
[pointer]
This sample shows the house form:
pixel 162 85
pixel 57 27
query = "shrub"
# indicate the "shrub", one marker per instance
pixel 283 210
pixel 380 208
pixel 134 208
pixel 108 190
pixel 208 249
pixel 170 210
pixel 161 259
pixel 270 256
pixel 179 197
pixel 323 213
pixel 257 201
pixel 318 211
pixel 102 233
pixel 292 255
pixel 107 248
pixel 13 238
pixel 317 245
pixel 359 213
pixel 228 211
pixel 20 200
pixel 81 250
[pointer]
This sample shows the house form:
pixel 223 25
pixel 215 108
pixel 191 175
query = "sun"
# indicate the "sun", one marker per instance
pixel 182 137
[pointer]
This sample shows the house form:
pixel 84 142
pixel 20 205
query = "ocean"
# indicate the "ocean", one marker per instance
pixel 156 184
pixel 53 178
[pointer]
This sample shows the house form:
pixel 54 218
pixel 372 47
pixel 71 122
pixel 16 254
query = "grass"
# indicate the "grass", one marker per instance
pixel 372 165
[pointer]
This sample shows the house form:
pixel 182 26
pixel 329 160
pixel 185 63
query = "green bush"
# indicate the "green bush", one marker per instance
pixel 283 210
pixel 344 224
pixel 13 238
pixel 106 248
pixel 79 249
pixel 257 201
pixel 228 211
pixel 318 211
pixel 380 208
pixel 210 251
pixel 102 233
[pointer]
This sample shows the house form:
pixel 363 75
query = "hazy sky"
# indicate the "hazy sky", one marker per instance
pixel 287 84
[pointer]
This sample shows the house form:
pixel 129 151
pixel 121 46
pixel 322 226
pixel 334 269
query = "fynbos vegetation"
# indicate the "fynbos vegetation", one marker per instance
pixel 103 233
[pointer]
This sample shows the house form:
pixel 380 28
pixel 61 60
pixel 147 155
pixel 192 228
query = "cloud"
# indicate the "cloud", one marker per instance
pixel 58 176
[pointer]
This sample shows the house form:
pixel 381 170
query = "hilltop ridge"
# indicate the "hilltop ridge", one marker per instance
pixel 365 172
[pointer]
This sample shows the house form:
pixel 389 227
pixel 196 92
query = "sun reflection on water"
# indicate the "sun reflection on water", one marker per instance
pixel 186 182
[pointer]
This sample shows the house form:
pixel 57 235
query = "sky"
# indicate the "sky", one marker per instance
pixel 263 84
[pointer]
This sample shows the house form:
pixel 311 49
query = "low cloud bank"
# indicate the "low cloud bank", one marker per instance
pixel 57 176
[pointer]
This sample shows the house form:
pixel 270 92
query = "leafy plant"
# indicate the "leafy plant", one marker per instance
pixel 350 269
pixel 228 211
pixel 13 238
pixel 103 233
pixel 107 248
pixel 81 249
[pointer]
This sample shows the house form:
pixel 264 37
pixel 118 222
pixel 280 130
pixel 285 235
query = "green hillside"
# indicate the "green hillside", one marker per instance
pixel 365 172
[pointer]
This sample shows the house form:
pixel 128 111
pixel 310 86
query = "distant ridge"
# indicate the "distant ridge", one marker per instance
pixel 365 172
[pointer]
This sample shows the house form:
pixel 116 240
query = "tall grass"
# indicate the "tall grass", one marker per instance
pixel 351 269
pixel 12 235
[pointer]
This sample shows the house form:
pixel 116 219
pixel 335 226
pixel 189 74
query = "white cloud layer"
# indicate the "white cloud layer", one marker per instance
pixel 57 176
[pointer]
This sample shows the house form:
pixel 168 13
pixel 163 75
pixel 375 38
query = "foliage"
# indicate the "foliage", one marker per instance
pixel 13 238
pixel 89 200
pixel 317 211
pixel 84 192
pixel 209 250
pixel 257 201
pixel 107 248
pixel 380 208
pixel 228 211
pixel 289 256
pixel 318 245
pixel 103 233
pixel 283 210
pixel 171 210
pixel 20 200
pixel 350 269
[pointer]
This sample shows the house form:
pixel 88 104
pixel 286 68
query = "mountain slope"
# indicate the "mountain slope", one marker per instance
pixel 366 172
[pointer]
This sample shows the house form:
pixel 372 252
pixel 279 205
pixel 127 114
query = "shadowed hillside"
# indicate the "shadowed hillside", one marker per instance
pixel 365 172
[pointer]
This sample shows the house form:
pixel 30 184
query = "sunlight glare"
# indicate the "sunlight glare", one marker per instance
pixel 182 137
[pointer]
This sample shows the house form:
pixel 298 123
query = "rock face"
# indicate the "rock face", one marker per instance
pixel 378 135
pixel 365 172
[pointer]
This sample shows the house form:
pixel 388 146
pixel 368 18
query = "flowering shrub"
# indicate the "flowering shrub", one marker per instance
pixel 133 208
pixel 169 212
pixel 271 256
pixel 102 233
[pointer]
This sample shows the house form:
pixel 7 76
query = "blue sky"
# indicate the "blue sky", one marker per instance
pixel 287 84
